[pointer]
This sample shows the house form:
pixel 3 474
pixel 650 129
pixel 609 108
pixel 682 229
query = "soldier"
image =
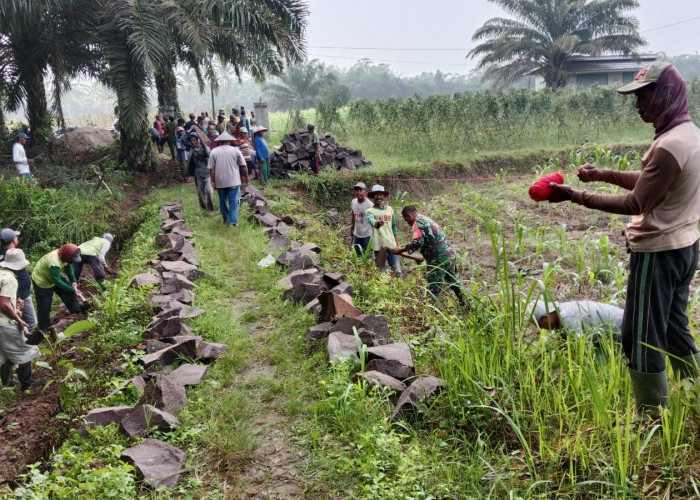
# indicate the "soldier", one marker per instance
pixel 437 252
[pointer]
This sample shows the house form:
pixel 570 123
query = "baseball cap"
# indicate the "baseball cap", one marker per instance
pixel 648 74
pixel 361 185
pixel 7 235
pixel 22 135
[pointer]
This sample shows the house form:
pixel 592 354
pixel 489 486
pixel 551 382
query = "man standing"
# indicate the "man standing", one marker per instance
pixel 14 349
pixel 438 254
pixel 93 253
pixel 170 136
pixel 224 164
pixel 664 202
pixel 360 229
pixel 19 156
pixel 10 239
pixel 198 167
pixel 314 149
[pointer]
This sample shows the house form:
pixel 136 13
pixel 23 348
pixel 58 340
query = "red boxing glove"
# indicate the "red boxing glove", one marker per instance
pixel 540 190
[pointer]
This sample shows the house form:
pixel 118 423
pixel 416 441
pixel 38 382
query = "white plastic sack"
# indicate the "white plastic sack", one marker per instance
pixel 267 261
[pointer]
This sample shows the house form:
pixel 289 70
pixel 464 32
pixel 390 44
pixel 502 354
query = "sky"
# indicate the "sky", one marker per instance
pixel 342 31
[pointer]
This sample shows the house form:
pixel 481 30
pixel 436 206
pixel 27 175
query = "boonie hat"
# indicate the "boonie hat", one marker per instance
pixel 109 237
pixel 14 259
pixel 376 189
pixel 648 74
pixel 7 235
pixel 360 185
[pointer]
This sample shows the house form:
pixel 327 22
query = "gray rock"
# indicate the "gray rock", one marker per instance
pixel 187 270
pixel 334 306
pixel 318 332
pixel 103 417
pixel 277 242
pixel 175 283
pixel 164 393
pixel 145 279
pixel 181 311
pixel 298 259
pixel 347 324
pixel 305 288
pixel 341 346
pixel 185 296
pixel 286 282
pixel 370 338
pixel 333 279
pixel 165 328
pixel 343 288
pixel 413 401
pixel 392 368
pixel 211 351
pixel 399 351
pixel 267 220
pixel 378 324
pixel 182 350
pixel 313 307
pixel 154 345
pixel 157 463
pixel 146 417
pixel 307 247
pixel 188 374
pixel 380 379
pixel 139 382
pixel 282 228
pixel 183 231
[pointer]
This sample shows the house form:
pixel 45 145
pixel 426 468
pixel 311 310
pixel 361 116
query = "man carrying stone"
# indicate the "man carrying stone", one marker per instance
pixel 437 252
pixel 227 169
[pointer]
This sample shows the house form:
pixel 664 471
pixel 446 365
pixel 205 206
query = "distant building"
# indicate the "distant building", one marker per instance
pixel 601 70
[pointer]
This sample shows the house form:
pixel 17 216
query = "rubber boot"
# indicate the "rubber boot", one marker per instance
pixel 24 374
pixel 6 375
pixel 687 366
pixel 650 391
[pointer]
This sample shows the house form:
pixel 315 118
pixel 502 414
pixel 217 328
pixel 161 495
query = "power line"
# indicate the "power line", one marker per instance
pixel 672 24
pixel 389 48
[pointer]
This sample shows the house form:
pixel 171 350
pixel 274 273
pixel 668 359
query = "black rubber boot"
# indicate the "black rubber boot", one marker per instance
pixel 650 391
pixel 24 374
pixel 687 366
pixel 6 375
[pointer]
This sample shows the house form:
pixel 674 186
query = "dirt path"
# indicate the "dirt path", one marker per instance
pixel 273 468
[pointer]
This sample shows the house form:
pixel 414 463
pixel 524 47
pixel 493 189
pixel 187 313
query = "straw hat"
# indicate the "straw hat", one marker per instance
pixel 225 136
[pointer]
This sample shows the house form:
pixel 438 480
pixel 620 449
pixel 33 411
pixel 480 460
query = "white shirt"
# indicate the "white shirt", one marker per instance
pixel 19 156
pixel 362 227
pixel 225 160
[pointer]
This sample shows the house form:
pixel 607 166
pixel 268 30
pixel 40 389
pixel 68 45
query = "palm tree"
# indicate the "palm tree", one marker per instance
pixel 300 85
pixel 258 37
pixel 546 35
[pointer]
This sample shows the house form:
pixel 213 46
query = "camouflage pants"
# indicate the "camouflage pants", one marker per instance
pixel 444 273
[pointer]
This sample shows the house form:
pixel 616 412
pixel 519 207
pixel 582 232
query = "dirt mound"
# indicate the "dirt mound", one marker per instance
pixel 85 139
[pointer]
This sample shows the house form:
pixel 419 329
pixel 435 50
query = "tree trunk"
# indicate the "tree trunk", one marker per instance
pixel 136 152
pixel 3 125
pixel 166 85
pixel 37 107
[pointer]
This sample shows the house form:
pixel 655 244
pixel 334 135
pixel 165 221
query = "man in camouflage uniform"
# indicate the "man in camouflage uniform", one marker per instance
pixel 438 254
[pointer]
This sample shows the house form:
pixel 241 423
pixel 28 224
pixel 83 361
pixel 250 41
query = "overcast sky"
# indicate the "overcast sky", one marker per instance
pixel 368 25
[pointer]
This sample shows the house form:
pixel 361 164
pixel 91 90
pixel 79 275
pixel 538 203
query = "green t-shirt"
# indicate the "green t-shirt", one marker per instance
pixel 93 246
pixel 382 236
pixel 313 142
pixel 47 272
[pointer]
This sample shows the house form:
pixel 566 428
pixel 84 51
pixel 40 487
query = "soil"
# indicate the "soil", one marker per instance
pixel 274 468
pixel 29 430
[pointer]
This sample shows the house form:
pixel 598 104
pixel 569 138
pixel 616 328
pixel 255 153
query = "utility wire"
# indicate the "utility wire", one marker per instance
pixel 465 65
pixel 672 24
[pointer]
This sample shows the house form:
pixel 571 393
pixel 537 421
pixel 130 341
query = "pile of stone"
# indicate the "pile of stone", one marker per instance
pixel 168 340
pixel 293 155
pixel 330 298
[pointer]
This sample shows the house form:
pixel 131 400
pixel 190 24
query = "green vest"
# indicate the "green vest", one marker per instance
pixel 92 247
pixel 41 275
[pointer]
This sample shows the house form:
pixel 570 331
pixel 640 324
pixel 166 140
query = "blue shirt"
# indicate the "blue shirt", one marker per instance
pixel 261 147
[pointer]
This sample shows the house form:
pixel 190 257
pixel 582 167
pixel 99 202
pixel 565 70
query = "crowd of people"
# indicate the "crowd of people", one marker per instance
pixel 22 325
